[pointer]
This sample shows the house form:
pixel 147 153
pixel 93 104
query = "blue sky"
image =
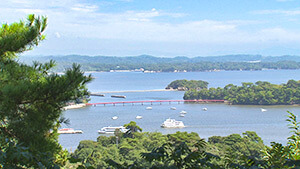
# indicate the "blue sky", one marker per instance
pixel 165 28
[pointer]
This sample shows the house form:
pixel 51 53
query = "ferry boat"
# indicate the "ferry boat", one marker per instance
pixel 111 130
pixel 172 123
pixel 69 131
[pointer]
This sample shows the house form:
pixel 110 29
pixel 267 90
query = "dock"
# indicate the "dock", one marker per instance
pixel 97 94
pixel 118 96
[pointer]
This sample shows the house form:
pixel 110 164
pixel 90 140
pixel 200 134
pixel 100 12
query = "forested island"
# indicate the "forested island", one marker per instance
pixel 260 93
pixel 177 64
pixel 187 84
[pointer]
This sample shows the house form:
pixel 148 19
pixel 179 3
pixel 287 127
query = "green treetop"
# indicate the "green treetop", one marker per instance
pixel 31 99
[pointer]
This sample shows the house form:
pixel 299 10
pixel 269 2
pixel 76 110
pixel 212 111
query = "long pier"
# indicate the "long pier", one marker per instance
pixel 154 101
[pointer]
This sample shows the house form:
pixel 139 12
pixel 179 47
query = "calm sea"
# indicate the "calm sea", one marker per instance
pixel 219 119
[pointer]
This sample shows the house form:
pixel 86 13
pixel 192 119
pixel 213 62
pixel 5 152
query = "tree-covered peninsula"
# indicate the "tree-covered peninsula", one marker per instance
pixel 187 84
pixel 260 93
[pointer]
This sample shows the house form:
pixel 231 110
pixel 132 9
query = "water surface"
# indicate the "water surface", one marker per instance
pixel 219 119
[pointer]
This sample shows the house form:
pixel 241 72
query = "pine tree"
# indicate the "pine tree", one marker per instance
pixel 31 99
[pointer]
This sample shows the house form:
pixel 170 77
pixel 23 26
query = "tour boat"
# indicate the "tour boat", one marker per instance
pixel 139 117
pixel 69 131
pixel 111 130
pixel 173 108
pixel 148 108
pixel 172 123
pixel 115 117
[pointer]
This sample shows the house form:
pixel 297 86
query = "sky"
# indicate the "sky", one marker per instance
pixel 163 28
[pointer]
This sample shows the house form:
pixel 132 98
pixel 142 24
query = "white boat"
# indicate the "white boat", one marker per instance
pixel 263 110
pixel 115 117
pixel 111 130
pixel 183 112
pixel 204 109
pixel 139 117
pixel 173 108
pixel 69 131
pixel 181 115
pixel 172 123
pixel 148 108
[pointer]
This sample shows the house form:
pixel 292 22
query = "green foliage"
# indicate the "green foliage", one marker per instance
pixel 260 93
pixel 31 100
pixel 187 150
pixel 187 85
pixel 132 128
pixel 181 156
pixel 294 140
pixel 105 63
pixel 237 150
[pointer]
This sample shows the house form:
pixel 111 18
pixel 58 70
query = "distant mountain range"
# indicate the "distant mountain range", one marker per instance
pixel 153 59
pixel 226 62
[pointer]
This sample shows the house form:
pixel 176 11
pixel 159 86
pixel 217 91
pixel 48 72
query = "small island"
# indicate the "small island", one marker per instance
pixel 260 93
pixel 184 85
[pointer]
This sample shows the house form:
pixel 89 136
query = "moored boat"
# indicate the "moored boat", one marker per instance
pixel 183 112
pixel 148 108
pixel 263 110
pixel 115 117
pixel 173 108
pixel 139 117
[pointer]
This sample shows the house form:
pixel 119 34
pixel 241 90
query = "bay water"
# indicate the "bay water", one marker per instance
pixel 219 119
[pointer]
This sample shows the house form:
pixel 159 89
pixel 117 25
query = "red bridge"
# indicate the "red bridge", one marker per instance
pixel 155 101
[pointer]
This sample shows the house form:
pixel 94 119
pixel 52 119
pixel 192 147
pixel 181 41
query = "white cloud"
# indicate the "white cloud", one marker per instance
pixel 87 21
pixel 284 12
pixel 284 0
pixel 84 8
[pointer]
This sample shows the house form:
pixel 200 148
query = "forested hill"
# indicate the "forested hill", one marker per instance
pixel 181 63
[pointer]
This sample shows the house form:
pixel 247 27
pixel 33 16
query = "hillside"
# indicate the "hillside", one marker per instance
pixel 180 63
